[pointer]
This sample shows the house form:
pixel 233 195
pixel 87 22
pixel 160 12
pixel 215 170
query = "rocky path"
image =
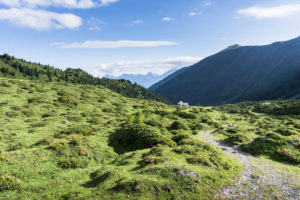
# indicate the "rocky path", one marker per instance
pixel 261 178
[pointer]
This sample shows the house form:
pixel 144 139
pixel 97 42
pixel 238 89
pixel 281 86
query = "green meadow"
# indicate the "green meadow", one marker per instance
pixel 71 141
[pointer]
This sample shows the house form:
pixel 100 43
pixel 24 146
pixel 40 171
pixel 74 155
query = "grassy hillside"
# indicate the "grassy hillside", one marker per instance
pixel 238 73
pixel 20 69
pixel 73 141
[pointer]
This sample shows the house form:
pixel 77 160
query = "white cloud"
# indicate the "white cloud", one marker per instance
pixel 39 19
pixel 208 3
pixel 283 11
pixel 166 19
pixel 10 3
pixel 94 24
pixel 136 22
pixel 57 3
pixel 99 44
pixel 192 14
pixel 158 67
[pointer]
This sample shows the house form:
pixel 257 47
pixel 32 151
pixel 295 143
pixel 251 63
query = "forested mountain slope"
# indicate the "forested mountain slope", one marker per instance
pixel 17 68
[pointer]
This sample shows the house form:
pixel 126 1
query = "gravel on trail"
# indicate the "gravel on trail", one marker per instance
pixel 261 179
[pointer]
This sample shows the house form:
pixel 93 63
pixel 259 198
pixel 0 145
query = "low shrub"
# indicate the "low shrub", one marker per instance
pixel 179 136
pixel 2 156
pixel 70 101
pixel 37 100
pixel 5 84
pixel 289 155
pixel 29 113
pixel 200 159
pixel 76 140
pixel 186 115
pixel 68 161
pixel 72 154
pixel 94 120
pixel 138 136
pixel 84 130
pixel 9 183
pixel 17 145
pixel 16 108
pixel 187 149
pixel 12 114
pixel 38 124
pixel 237 139
pixel 286 132
pixel 161 112
pixel 74 196
pixel 155 122
pixel 177 125
pixel 74 117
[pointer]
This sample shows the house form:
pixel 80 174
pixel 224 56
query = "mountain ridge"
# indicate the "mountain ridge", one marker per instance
pixel 243 73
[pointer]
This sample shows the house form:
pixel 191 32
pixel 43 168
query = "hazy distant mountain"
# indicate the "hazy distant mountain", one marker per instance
pixel 144 80
pixel 238 73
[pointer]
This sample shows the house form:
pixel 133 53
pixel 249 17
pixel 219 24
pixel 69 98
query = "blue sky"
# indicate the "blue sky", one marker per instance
pixel 139 36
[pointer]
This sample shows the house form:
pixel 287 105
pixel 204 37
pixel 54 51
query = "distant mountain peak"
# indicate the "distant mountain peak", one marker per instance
pixel 145 80
pixel 235 46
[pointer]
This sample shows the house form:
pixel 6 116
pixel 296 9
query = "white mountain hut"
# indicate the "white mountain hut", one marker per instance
pixel 183 104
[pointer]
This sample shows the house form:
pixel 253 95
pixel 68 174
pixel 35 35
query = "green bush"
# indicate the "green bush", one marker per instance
pixel 5 84
pixel 38 124
pixel 70 101
pixel 237 139
pixel 54 144
pixel 74 196
pixel 29 113
pixel 76 140
pixel 179 136
pixel 177 125
pixel 289 154
pixel 200 159
pixel 9 183
pixel 286 132
pixel 74 117
pixel 72 162
pixel 155 122
pixel 187 149
pixel 12 114
pixel 2 156
pixel 16 108
pixel 186 115
pixel 138 136
pixel 37 100
pixel 15 146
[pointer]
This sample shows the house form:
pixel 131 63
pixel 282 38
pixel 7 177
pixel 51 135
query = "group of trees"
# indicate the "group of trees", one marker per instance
pixel 17 68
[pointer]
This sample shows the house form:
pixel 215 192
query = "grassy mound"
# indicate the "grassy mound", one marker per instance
pixel 138 136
